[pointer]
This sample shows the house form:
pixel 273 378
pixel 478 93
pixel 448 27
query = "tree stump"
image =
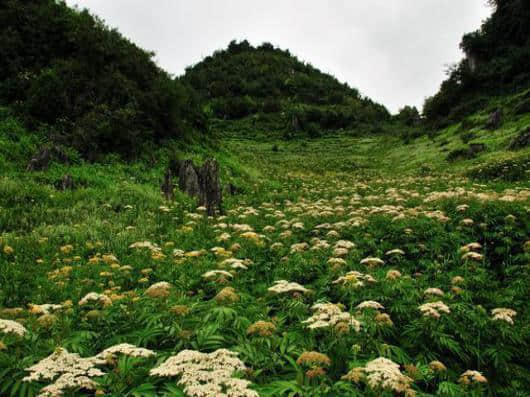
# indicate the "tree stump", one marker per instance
pixel 495 119
pixel 42 159
pixel 167 185
pixel 188 178
pixel 210 194
pixel 203 183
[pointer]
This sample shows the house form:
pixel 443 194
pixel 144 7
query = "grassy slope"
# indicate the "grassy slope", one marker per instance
pixel 36 220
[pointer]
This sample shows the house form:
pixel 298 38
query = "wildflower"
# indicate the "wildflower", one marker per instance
pixel 313 358
pixel 467 222
pixel 383 319
pixel 67 369
pixel 433 309
pixel 504 314
pixel 395 251
pixel 283 286
pixel 330 315
pixel 219 274
pixel 47 320
pixel 457 280
pixel 372 262
pixel 180 310
pixel 299 247
pixel 393 274
pixel 127 350
pixel 101 299
pixel 276 246
pixel 13 312
pixel 203 374
pixel 110 259
pixel 355 375
pixel 475 256
pixel 340 252
pixel 370 305
pixel 227 295
pixel 354 279
pixel 336 262
pixel 433 291
pixel 262 328
pixel 381 373
pixel 469 377
pixel 315 372
pixel 235 247
pixel 470 247
pixel 344 244
pixel 47 308
pixel 252 236
pixel 332 234
pixel 437 366
pixel 159 290
pixel 8 250
pixel 224 237
pixel 66 249
pixel 12 327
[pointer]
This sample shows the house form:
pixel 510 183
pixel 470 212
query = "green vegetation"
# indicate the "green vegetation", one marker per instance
pixel 270 83
pixel 402 242
pixel 498 55
pixel 78 83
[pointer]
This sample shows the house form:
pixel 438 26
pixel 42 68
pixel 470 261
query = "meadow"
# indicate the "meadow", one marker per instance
pixel 335 271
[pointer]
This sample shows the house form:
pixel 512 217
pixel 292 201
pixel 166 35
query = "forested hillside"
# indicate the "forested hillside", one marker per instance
pixel 244 80
pixel 81 84
pixel 497 63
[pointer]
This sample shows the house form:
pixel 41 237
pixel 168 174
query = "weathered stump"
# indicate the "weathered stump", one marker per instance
pixel 495 119
pixel 42 159
pixel 210 194
pixel 167 185
pixel 188 178
pixel 203 183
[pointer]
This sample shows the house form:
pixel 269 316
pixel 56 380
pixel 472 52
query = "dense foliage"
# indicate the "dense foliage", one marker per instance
pixel 497 61
pixel 432 270
pixel 82 84
pixel 245 80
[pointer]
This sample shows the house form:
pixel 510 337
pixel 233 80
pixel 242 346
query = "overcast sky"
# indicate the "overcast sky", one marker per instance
pixel 393 51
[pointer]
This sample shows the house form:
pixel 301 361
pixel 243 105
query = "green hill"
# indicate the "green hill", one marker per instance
pixel 271 83
pixel 80 84
pixel 497 63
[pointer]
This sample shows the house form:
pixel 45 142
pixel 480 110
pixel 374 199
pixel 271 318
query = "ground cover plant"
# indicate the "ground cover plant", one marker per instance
pixel 350 282
pixel 356 253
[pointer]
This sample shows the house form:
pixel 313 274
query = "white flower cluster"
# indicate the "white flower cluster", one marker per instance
pixel 504 314
pixel 203 374
pixel 69 371
pixel 284 286
pixel 127 350
pixel 94 297
pixel 372 262
pixel 370 305
pixel 354 279
pixel 146 244
pixel 433 309
pixel 385 374
pixel 12 327
pixel 217 274
pixel 329 315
